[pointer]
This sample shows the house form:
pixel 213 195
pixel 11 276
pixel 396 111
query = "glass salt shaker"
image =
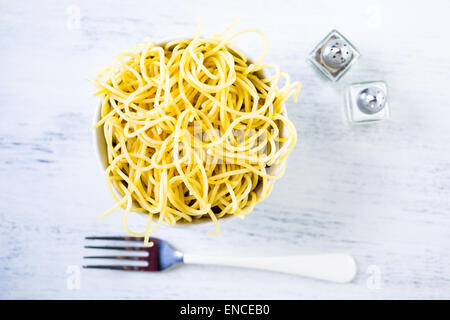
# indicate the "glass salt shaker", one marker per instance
pixel 366 102
pixel 334 55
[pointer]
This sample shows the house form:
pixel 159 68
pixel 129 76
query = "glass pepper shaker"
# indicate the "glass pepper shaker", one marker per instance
pixel 334 55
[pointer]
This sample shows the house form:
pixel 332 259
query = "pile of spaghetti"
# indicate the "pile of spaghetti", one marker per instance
pixel 192 127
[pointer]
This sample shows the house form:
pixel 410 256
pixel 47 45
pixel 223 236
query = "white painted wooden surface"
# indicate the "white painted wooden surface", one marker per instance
pixel 379 192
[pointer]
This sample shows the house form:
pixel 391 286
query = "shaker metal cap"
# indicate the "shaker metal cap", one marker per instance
pixel 337 53
pixel 371 100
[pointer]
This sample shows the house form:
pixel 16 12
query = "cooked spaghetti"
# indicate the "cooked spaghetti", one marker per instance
pixel 192 127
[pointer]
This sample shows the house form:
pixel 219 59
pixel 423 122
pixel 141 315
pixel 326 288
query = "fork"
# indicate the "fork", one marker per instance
pixel 335 267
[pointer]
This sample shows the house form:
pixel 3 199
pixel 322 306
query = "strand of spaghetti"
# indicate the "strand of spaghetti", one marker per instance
pixel 225 41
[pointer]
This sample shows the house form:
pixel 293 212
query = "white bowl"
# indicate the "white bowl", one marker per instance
pixel 100 147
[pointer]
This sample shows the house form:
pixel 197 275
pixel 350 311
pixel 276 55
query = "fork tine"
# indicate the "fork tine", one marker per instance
pixel 133 268
pixel 144 258
pixel 152 257
pixel 117 248
pixel 116 238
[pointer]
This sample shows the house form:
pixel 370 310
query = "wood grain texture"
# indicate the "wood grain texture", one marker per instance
pixel 379 192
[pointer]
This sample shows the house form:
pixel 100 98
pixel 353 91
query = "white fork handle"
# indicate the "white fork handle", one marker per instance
pixel 334 267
